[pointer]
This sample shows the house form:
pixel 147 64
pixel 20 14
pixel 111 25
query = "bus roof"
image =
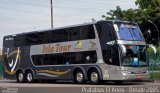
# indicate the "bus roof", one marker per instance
pixel 88 23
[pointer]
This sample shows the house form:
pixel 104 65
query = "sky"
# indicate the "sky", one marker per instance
pixel 18 16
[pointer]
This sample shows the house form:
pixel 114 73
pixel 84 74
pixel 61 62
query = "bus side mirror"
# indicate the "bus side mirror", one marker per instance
pixel 111 43
pixel 153 48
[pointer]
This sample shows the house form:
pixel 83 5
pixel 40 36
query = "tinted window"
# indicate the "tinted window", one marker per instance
pixel 57 36
pixel 81 33
pixel 65 58
pixel 61 35
pixel 31 39
pixel 111 55
pixel 106 34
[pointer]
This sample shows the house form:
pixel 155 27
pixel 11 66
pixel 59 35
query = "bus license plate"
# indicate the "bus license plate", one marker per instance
pixel 139 76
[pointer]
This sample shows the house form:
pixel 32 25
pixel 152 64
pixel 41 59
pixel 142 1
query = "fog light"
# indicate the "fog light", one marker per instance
pixel 125 77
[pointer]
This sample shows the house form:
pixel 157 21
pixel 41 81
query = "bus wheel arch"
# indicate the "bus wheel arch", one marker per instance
pixel 29 75
pixel 20 76
pixel 94 75
pixel 79 75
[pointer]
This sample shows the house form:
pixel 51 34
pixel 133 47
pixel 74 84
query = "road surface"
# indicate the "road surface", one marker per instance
pixel 10 86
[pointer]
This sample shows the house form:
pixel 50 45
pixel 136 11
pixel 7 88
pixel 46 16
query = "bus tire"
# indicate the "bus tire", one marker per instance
pixel 79 77
pixel 118 82
pixel 20 77
pixel 94 77
pixel 29 77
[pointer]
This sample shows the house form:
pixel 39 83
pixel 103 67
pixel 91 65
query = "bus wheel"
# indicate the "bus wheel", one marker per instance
pixel 20 77
pixel 79 77
pixel 94 77
pixel 29 77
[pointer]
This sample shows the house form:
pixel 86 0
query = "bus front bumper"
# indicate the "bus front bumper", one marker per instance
pixel 145 76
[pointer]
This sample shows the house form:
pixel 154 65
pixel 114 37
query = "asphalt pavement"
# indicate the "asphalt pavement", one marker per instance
pixel 11 86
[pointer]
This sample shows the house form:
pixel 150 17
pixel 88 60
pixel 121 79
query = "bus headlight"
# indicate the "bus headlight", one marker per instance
pixel 126 72
pixel 147 71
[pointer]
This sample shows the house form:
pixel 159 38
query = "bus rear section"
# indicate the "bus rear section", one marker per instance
pixel 102 50
pixel 11 57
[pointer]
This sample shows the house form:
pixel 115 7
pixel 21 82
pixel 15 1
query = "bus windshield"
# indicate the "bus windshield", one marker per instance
pixel 128 31
pixel 135 56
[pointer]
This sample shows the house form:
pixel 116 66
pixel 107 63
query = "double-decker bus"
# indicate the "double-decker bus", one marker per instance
pixel 102 50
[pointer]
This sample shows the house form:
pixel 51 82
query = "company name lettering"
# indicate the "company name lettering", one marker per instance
pixel 56 48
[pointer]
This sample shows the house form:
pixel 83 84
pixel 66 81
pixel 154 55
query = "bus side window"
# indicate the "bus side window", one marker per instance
pixel 74 34
pixel 107 56
pixel 87 32
pixel 115 55
pixel 99 31
pixel 89 57
pixel 111 56
pixel 111 32
pixel 30 39
pixel 91 32
pixel 81 33
pixel 58 36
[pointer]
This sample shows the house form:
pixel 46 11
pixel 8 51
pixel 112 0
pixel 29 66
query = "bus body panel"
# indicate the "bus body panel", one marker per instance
pixel 51 56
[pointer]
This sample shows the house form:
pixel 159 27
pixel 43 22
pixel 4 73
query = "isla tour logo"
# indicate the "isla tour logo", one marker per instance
pixel 13 59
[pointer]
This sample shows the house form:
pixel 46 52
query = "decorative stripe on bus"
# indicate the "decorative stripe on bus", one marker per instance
pixel 9 72
pixel 53 72
pixel 14 52
pixel 13 64
pixel 49 75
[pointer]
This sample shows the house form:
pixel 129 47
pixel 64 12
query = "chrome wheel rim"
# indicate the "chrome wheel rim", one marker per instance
pixel 79 77
pixel 20 77
pixel 29 77
pixel 94 77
